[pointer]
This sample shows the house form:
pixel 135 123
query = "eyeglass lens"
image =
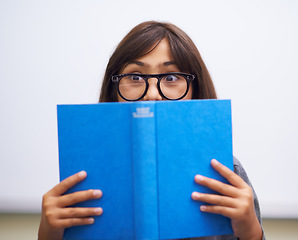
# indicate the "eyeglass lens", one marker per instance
pixel 132 87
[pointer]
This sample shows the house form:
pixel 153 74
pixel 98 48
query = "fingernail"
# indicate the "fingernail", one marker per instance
pixel 90 220
pixel 203 208
pixel 98 211
pixel 82 174
pixel 195 195
pixel 97 193
pixel 199 178
pixel 214 161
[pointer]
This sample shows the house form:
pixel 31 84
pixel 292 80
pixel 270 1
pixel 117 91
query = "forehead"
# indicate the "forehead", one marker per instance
pixel 160 51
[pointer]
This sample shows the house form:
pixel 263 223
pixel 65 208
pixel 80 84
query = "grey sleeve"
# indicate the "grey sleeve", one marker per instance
pixel 239 170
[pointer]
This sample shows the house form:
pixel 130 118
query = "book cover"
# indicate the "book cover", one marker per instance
pixel 144 156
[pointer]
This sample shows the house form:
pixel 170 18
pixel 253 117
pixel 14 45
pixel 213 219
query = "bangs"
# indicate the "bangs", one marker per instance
pixel 141 42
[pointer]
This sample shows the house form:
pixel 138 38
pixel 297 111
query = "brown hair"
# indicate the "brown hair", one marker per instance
pixel 144 38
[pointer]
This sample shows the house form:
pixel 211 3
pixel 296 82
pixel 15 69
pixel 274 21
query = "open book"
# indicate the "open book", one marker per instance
pixel 144 156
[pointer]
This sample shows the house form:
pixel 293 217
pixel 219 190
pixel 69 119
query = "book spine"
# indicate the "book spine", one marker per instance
pixel 144 171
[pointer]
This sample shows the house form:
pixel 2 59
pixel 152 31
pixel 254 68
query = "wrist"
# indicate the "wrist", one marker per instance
pixel 46 234
pixel 256 233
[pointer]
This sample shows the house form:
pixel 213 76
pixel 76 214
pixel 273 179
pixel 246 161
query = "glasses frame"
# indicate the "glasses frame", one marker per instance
pixel 187 76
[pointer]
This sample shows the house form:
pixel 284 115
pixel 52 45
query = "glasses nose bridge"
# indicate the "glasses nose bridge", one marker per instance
pixel 156 76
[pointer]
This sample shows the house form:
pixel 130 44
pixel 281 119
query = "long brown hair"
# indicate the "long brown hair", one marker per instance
pixel 144 38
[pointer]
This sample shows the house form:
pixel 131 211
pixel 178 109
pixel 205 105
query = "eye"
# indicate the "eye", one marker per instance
pixel 171 78
pixel 135 78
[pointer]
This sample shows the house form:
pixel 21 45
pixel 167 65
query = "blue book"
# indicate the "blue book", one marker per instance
pixel 144 156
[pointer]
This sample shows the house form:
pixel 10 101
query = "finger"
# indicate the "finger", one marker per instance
pixel 222 188
pixel 66 223
pixel 225 211
pixel 228 174
pixel 80 212
pixel 67 183
pixel 77 197
pixel 214 199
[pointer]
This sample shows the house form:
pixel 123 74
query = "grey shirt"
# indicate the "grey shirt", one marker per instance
pixel 239 170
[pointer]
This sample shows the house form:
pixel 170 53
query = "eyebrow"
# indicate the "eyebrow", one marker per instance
pixel 142 64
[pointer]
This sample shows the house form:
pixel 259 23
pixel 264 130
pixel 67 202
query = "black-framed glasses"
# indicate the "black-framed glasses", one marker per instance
pixel 134 86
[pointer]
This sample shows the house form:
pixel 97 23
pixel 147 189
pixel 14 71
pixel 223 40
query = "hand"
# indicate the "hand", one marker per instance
pixel 56 213
pixel 235 202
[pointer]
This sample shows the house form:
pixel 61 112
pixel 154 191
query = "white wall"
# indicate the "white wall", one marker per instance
pixel 56 51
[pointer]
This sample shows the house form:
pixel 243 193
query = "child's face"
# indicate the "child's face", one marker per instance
pixel 158 61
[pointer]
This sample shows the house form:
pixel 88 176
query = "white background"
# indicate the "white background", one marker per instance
pixel 54 52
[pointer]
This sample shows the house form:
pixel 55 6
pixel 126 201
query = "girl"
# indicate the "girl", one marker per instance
pixel 158 61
